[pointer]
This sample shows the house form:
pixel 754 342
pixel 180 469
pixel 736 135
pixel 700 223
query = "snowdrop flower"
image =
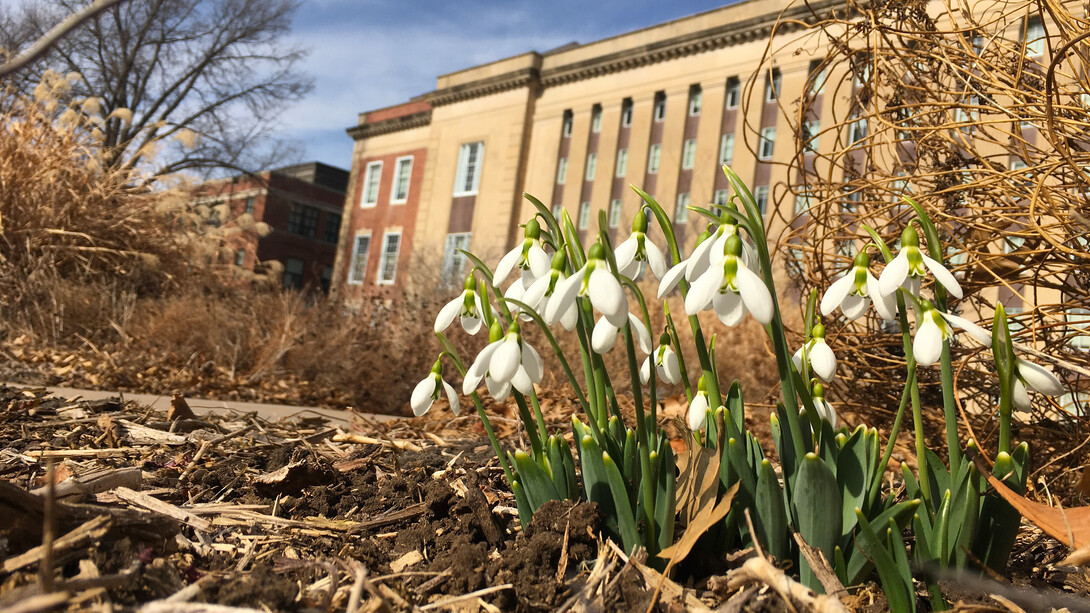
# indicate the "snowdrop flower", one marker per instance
pixel 427 391
pixel 543 289
pixel 731 289
pixel 818 354
pixel 909 267
pixel 669 281
pixel 508 361
pixel 467 306
pixel 698 408
pixel 666 363
pixel 824 409
pixel 605 335
pixel 637 249
pixel 527 256
pixel 1030 376
pixel 594 281
pixel 854 291
pixel 934 327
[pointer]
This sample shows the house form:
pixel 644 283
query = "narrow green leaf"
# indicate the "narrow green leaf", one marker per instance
pixel 770 521
pixel 900 597
pixel 815 495
pixel 539 486
pixel 626 521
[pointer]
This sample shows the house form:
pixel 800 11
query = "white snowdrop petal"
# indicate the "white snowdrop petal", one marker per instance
pixel 697 263
pixel 729 307
pixel 532 362
pixel 643 337
pixel 670 280
pixel 703 290
pixel 927 345
pixel 885 305
pixel 505 361
pixel 536 292
pixel 422 396
pixel 603 337
pixel 570 318
pixel 837 292
pixel 452 398
pixel 1040 378
pixel 631 270
pixel 471 325
pixel 981 335
pixel 823 360
pixel 943 276
pixel 607 295
pixel 507 262
pixel 894 275
pixel 854 307
pixel 1020 397
pixel 499 390
pixel 540 263
pixel 449 311
pixel 625 253
pixel 671 369
pixel 655 259
pixel 563 296
pixel 755 294
pixel 826 411
pixel 645 370
pixel 478 369
pixel 521 381
pixel 797 360
pixel 698 416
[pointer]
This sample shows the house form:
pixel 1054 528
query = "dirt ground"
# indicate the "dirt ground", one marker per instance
pixel 155 510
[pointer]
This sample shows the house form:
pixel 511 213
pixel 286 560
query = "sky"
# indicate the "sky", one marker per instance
pixel 368 54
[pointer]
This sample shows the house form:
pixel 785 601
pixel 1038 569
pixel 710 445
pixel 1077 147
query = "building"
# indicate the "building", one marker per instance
pixel 301 206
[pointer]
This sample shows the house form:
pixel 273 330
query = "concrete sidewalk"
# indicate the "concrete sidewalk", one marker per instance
pixel 201 406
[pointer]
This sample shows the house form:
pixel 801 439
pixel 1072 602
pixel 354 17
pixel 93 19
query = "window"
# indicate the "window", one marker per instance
pixel 403 170
pixel 817 77
pixel 557 210
pixel 371 176
pixel 1012 243
pixel 453 259
pixel 240 257
pixel 387 267
pixel 726 149
pixel 596 119
pixel 1078 321
pixel 622 163
pixel 615 213
pixel 653 156
pixel 250 205
pixel 688 154
pixel 1075 403
pixel 858 130
pixel 1014 323
pixel 811 129
pixel 861 69
pixel 1035 37
pixel 681 211
pixel 360 250
pixel 767 144
pixel 851 201
pixel 733 92
pixel 760 196
pixel 469 169
pixel 584 215
pixel 592 166
pixel 659 112
pixel 565 131
pixel 719 200
pixel 695 98
pixel 772 86
pixel 562 171
pixel 332 228
pixel 803 200
pixel 293 273
pixel 626 112
pixel 303 220
pixel 326 278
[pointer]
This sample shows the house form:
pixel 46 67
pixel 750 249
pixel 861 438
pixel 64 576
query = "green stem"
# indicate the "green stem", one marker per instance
pixel 675 340
pixel 492 437
pixel 542 430
pixel 917 410
pixel 876 484
pixel 528 423
pixel 953 445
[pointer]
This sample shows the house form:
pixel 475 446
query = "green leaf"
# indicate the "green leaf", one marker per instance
pixel 595 481
pixel 770 521
pixel 736 408
pixel 816 493
pixel 626 521
pixel 899 596
pixel 901 513
pixel 665 495
pixel 526 514
pixel 539 486
pixel 851 475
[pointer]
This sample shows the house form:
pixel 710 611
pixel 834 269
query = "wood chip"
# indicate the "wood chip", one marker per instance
pixel 405 561
pixel 163 508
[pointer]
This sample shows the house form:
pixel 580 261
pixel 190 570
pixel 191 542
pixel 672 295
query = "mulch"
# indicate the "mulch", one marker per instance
pixel 113 506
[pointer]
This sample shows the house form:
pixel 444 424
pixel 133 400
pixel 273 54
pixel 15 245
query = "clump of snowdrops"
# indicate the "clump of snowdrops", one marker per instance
pixel 829 489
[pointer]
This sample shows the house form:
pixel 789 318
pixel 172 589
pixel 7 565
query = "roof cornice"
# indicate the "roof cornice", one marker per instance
pixel 493 85
pixel 394 124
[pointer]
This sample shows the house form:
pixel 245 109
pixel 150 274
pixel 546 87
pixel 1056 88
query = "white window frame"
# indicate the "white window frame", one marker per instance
pixel 803 200
pixel 566 127
pixel 359 262
pixel 622 163
pixel 1080 323
pixel 858 130
pixel 401 167
pixel 562 171
pixel 626 113
pixel 596 119
pixel 1015 325
pixel 681 209
pixel 726 149
pixel 760 198
pixel 1035 37
pixel 696 99
pixel 384 257
pixel 720 197
pixel 688 154
pixel 658 112
pixel 372 178
pixel 464 170
pixel 454 262
pixel 592 166
pixel 584 215
pixel 773 85
pixel 615 213
pixel 733 93
pixel 654 158
pixel 767 146
pixel 818 84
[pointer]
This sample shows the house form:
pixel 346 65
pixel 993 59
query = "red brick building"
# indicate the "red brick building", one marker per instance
pixel 302 206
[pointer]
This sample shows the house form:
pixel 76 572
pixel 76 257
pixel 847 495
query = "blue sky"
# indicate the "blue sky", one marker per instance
pixel 367 54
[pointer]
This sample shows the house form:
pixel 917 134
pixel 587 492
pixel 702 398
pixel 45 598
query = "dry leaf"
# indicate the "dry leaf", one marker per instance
pixel 700 524
pixel 1069 526
pixel 179 409
pixel 697 483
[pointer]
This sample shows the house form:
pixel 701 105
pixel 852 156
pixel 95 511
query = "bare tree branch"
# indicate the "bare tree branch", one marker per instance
pixel 44 43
